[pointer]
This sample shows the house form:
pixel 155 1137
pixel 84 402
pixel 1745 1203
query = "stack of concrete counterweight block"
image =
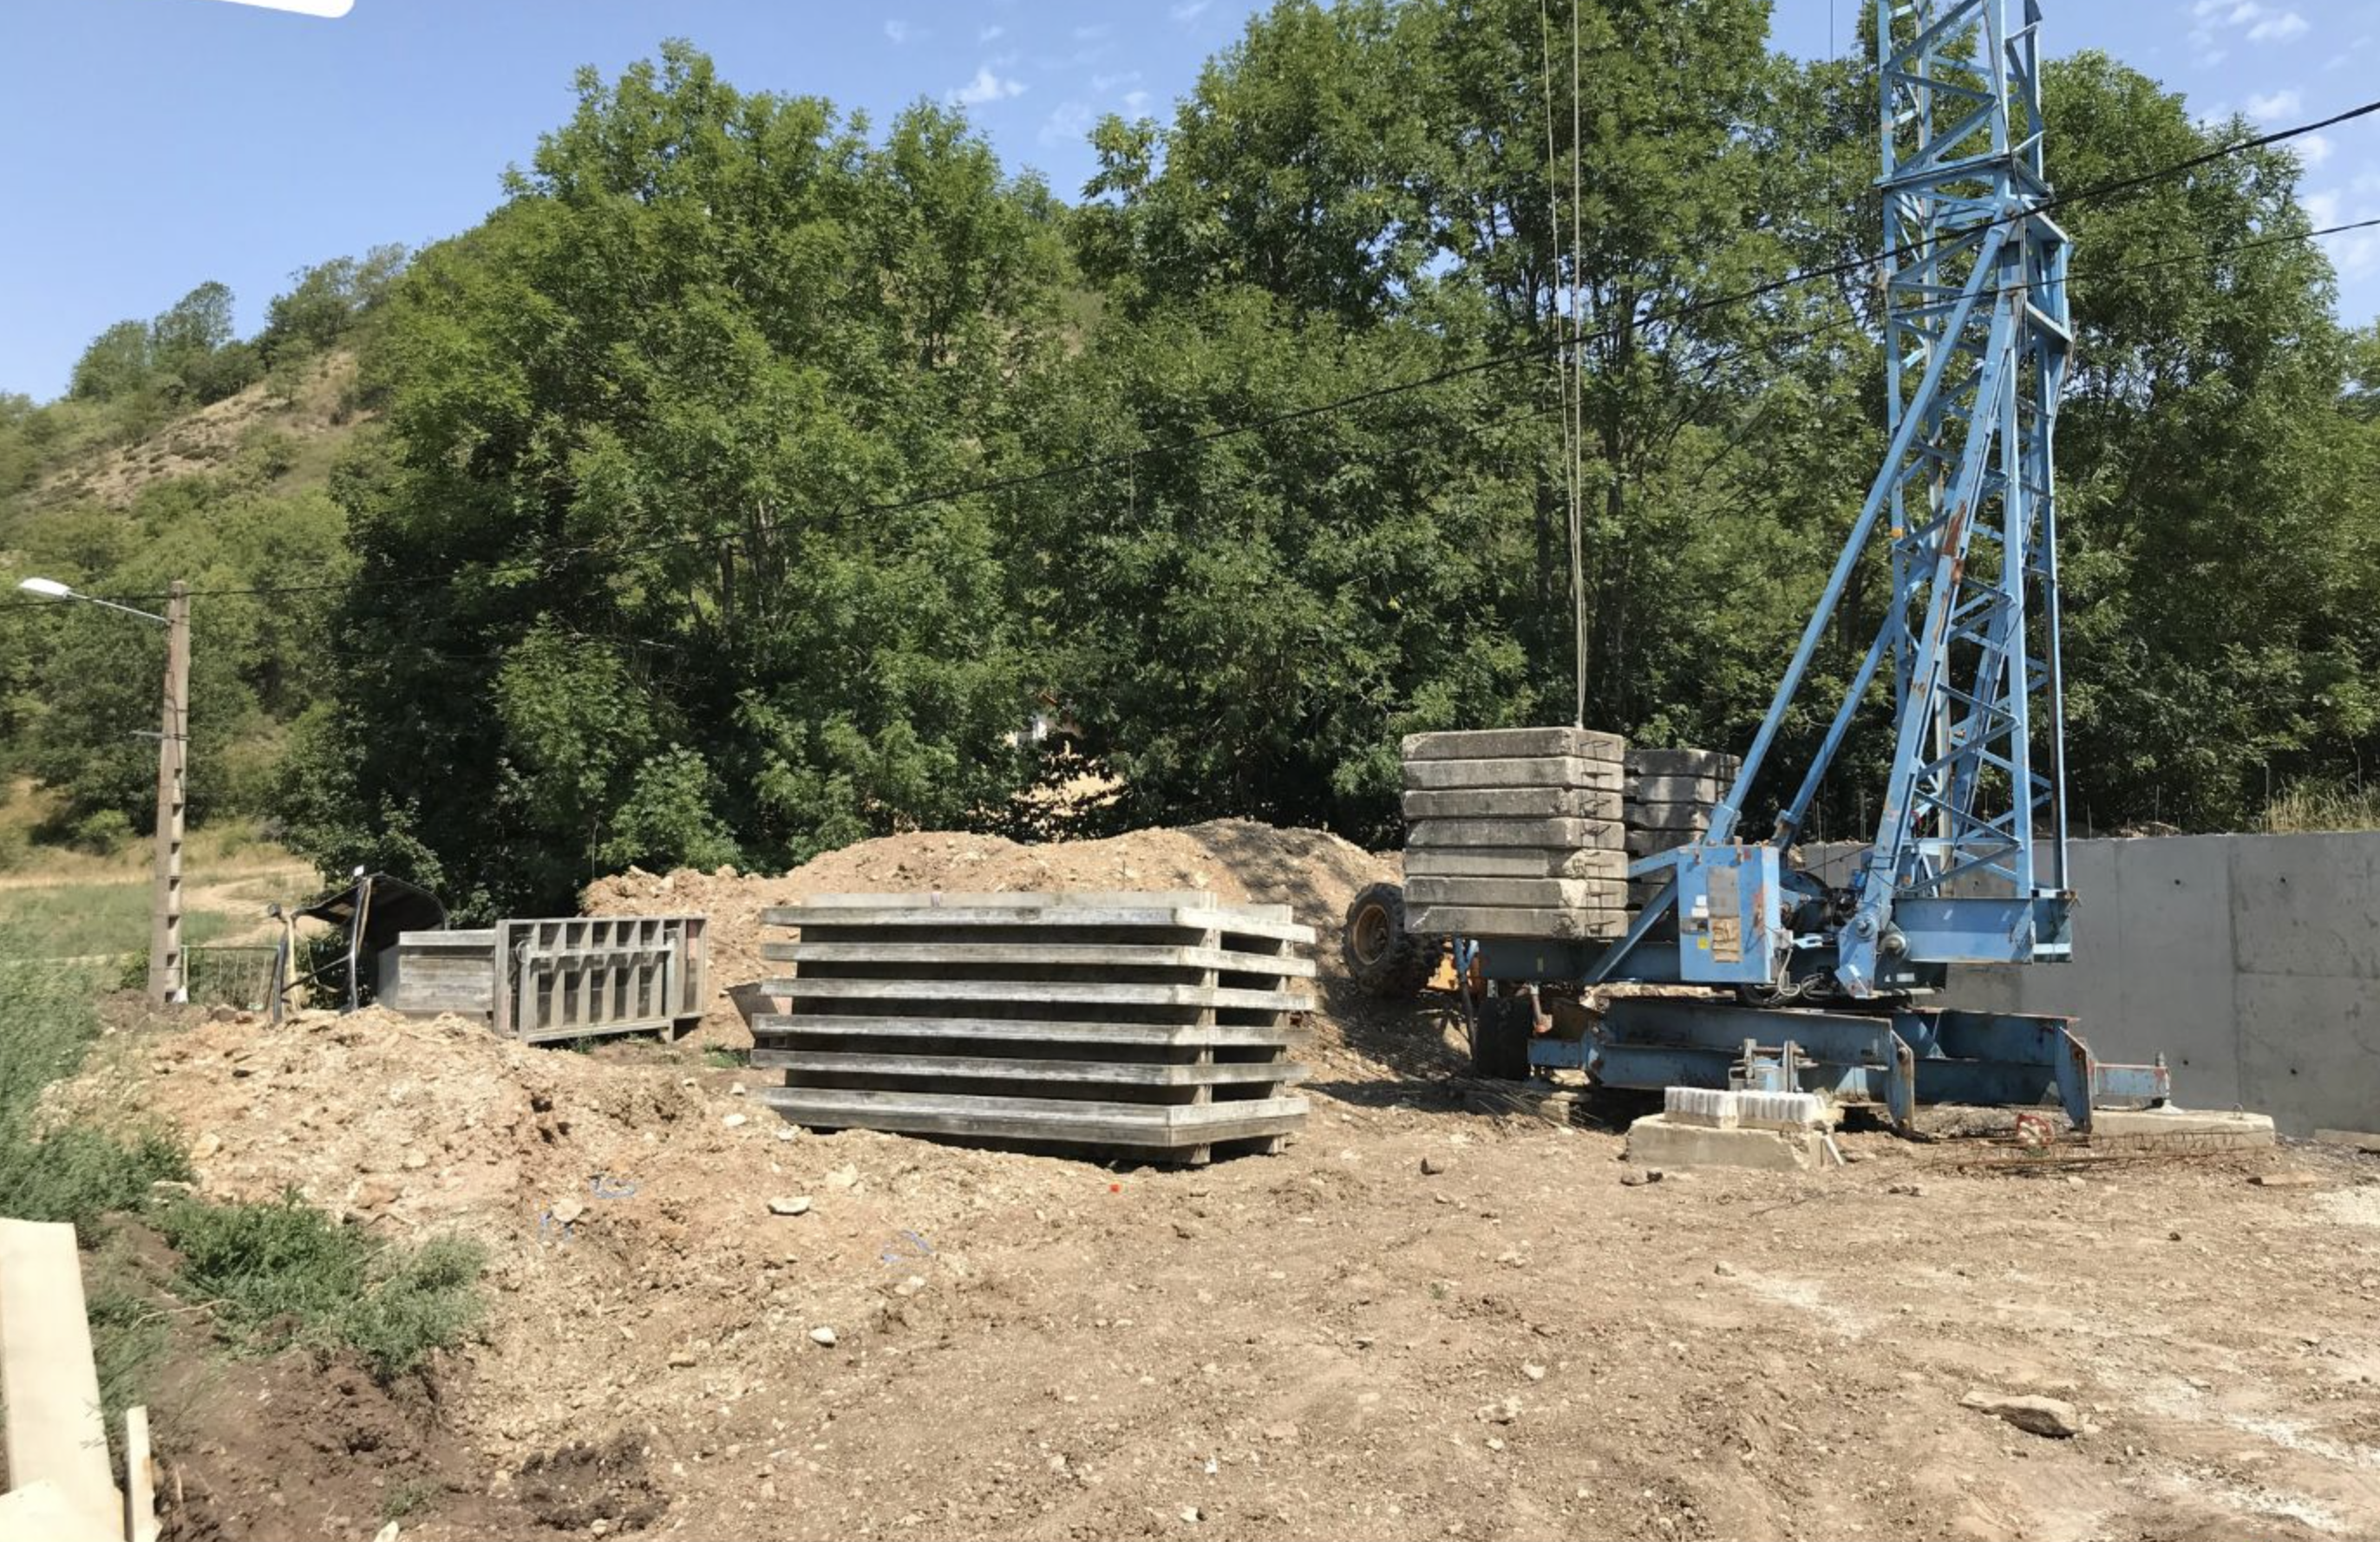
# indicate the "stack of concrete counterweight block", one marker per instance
pixel 1515 833
pixel 1157 1025
pixel 1670 795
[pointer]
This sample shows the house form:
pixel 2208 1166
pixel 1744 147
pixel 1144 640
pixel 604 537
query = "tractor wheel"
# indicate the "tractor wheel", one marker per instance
pixel 1383 958
pixel 1499 1046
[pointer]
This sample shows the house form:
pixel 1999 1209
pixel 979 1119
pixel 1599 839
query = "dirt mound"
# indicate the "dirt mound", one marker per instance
pixel 1313 872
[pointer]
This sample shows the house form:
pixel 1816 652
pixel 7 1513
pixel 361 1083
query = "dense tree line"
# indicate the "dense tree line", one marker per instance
pixel 749 479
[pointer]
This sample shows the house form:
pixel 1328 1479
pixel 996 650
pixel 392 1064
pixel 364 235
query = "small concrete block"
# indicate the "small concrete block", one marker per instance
pixel 1515 802
pixel 1656 1140
pixel 1782 1111
pixel 1515 862
pixel 1489 744
pixel 1539 771
pixel 1549 834
pixel 1522 893
pixel 1710 1107
pixel 2173 1129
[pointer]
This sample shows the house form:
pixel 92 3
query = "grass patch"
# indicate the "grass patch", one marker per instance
pixel 409 1498
pixel 283 1273
pixel 2310 808
pixel 726 1059
pixel 86 920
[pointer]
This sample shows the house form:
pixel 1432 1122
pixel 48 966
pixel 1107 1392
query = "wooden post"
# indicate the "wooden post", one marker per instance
pixel 167 980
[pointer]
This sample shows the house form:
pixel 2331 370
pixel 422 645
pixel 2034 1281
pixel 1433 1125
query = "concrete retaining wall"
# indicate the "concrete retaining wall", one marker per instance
pixel 2252 962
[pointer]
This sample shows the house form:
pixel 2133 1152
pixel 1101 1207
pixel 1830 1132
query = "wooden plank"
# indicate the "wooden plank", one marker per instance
pixel 1550 770
pixel 1048 1119
pixel 140 1480
pixel 778 1025
pixel 1083 992
pixel 1489 744
pixel 912 914
pixel 1156 955
pixel 48 1381
pixel 801 1062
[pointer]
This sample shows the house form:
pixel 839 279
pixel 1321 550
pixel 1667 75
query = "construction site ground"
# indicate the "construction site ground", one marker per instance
pixel 1420 1321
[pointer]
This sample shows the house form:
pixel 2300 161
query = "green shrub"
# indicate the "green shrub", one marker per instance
pixel 283 1273
pixel 105 831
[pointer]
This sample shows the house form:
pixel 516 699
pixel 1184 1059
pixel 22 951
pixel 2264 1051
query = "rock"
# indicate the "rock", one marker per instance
pixel 415 1162
pixel 205 1146
pixel 1432 1166
pixel 786 1132
pixel 910 1286
pixel 2054 1417
pixel 736 1120
pixel 1639 1177
pixel 1724 1270
pixel 843 1177
pixel 1282 1431
pixel 1535 1373
pixel 681 1358
pixel 375 1194
pixel 1915 1191
pixel 564 1212
pixel 735 1089
pixel 791 1204
pixel 386 1534
pixel 1190 1515
pixel 823 1337
pixel 2285 1180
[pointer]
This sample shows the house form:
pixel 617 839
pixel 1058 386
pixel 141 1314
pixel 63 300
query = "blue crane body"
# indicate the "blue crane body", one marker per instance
pixel 1968 863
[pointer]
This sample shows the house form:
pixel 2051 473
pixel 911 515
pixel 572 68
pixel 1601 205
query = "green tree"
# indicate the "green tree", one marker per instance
pixel 119 363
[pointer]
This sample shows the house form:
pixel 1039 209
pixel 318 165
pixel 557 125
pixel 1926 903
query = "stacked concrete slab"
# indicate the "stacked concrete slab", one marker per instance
pixel 1671 794
pixel 1515 833
pixel 1157 1025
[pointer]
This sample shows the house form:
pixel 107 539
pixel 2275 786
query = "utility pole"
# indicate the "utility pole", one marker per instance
pixel 167 981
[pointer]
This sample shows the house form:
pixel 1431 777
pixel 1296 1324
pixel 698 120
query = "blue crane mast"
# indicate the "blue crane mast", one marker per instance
pixel 1968 859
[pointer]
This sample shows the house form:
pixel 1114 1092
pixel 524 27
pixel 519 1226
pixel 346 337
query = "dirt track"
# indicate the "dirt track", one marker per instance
pixel 1327 1344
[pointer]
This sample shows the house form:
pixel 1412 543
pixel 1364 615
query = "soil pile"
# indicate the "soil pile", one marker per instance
pixel 1313 872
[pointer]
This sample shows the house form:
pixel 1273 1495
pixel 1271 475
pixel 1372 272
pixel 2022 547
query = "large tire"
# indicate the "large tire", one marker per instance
pixel 1383 958
pixel 1499 1044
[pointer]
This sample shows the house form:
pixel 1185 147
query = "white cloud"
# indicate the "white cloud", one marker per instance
pixel 1066 124
pixel 991 33
pixel 1135 102
pixel 2314 150
pixel 987 87
pixel 1106 84
pixel 898 30
pixel 1084 34
pixel 1188 10
pixel 2252 18
pixel 2272 108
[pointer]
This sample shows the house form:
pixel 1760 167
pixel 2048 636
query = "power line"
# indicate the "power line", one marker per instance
pixel 1679 311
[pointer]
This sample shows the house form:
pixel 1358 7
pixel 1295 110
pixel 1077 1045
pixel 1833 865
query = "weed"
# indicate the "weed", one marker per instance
pixel 283 1273
pixel 726 1059
pixel 2309 807
pixel 409 1498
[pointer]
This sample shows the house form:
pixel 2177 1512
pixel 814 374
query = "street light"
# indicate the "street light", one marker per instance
pixel 167 979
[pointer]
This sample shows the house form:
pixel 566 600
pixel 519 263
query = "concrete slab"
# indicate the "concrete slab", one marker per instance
pixel 2173 1129
pixel 1515 862
pixel 1489 744
pixel 1514 802
pixel 1682 762
pixel 1656 1141
pixel 1454 920
pixel 1541 771
pixel 2309 1044
pixel 1667 816
pixel 1550 834
pixel 1523 893
pixel 1674 789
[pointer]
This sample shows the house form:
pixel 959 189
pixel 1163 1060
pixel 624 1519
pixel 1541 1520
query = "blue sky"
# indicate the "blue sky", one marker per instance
pixel 163 143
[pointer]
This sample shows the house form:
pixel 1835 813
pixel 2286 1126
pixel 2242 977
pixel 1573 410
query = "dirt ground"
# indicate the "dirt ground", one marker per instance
pixel 1329 1342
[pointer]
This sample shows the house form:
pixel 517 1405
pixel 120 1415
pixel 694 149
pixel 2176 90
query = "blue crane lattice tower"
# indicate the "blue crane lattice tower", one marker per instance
pixel 1976 342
